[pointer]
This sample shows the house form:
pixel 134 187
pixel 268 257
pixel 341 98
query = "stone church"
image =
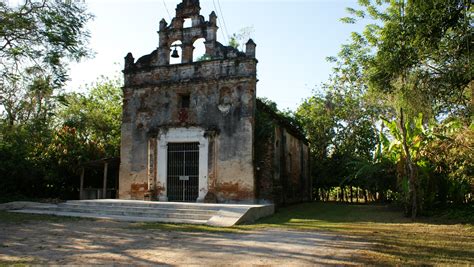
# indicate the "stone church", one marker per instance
pixel 190 131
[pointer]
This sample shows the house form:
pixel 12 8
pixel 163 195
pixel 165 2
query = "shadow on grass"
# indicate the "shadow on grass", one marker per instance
pixel 396 239
pixel 355 213
pixel 316 216
pixel 13 217
pixel 335 212
pixel 308 216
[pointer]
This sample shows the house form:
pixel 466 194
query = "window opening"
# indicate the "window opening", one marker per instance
pixel 185 101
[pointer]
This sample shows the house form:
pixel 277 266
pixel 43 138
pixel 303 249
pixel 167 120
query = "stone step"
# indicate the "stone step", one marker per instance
pixel 223 215
pixel 111 217
pixel 151 204
pixel 151 210
pixel 130 212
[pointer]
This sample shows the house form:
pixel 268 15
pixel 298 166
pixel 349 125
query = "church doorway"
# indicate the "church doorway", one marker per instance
pixel 183 172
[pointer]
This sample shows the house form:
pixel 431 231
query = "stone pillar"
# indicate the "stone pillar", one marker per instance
pixel 213 18
pixel 250 48
pixel 211 35
pixel 187 53
pixel 210 48
pixel 203 171
pixel 129 61
pixel 152 154
pixel 164 56
pixel 163 24
pixel 163 47
pixel 212 164
pixel 162 160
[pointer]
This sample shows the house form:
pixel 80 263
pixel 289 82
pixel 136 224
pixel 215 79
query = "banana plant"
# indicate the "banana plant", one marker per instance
pixel 417 136
pixel 403 146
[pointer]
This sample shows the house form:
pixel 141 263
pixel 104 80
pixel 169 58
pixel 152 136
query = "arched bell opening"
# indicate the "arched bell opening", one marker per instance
pixel 199 51
pixel 176 54
pixel 188 23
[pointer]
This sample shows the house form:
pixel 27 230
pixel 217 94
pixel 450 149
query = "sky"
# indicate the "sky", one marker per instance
pixel 293 37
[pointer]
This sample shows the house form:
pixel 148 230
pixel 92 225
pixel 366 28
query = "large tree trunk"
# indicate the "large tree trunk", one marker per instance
pixel 409 166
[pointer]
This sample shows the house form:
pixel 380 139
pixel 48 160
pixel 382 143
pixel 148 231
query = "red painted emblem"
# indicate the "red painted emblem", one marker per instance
pixel 183 115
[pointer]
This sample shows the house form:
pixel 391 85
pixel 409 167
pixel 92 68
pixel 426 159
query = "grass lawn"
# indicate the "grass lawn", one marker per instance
pixel 395 239
pixel 12 218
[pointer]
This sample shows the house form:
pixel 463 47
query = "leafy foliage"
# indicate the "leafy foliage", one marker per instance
pixel 412 67
pixel 40 158
pixel 37 39
pixel 97 116
pixel 237 40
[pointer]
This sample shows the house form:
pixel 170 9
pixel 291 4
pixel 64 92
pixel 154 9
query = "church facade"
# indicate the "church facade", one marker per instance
pixel 188 130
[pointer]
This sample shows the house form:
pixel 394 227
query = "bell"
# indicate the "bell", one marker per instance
pixel 175 54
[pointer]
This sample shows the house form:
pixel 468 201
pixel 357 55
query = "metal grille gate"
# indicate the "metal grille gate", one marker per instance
pixel 183 172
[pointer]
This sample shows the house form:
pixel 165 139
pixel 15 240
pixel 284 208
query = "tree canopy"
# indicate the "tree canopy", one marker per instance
pixel 37 40
pixel 395 90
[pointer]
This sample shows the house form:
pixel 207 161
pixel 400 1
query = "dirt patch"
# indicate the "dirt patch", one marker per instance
pixel 107 242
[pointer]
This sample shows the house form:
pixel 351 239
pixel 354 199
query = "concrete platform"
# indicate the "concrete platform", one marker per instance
pixel 222 215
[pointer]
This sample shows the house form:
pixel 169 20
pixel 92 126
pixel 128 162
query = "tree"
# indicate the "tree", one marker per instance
pixel 419 54
pixel 96 117
pixel 416 55
pixel 238 40
pixel 37 38
pixel 450 155
pixel 413 58
pixel 339 127
pixel 41 159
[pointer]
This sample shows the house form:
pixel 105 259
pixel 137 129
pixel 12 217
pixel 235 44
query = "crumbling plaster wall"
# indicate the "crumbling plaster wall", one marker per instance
pixel 283 164
pixel 222 102
pixel 292 180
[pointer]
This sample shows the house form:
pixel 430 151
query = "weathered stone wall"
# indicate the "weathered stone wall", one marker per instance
pixel 297 184
pixel 222 101
pixel 265 167
pixel 210 102
pixel 291 177
pixel 282 160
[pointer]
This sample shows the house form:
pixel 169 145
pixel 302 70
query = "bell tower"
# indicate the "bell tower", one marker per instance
pixel 188 9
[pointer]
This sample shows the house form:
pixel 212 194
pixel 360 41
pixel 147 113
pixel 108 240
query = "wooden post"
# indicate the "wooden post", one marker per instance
pixel 104 190
pixel 357 194
pixel 81 187
pixel 352 197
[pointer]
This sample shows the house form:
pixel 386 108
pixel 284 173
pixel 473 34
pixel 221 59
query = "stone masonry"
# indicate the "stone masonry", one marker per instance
pixel 210 103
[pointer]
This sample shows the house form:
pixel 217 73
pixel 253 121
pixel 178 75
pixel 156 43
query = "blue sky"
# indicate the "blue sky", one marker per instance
pixel 293 38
